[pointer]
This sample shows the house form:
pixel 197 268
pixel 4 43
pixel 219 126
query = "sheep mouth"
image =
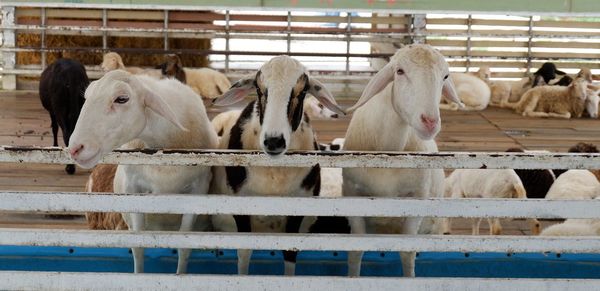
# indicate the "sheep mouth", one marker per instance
pixel 274 153
pixel 89 162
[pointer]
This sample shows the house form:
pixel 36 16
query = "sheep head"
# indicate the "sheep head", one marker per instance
pixel 112 61
pixel 115 112
pixel 419 77
pixel 281 85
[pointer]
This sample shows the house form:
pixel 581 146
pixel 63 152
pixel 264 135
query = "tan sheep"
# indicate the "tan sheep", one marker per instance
pixel 553 101
pixel 113 61
pixel 500 91
pixel 206 82
pixel 101 180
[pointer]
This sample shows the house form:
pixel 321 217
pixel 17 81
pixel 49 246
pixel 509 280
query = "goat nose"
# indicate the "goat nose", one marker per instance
pixel 75 150
pixel 430 123
pixel 274 144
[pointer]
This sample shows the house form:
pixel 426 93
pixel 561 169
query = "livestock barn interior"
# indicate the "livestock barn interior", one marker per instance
pixel 48 240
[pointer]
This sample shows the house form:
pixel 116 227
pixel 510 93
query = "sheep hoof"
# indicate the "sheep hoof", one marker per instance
pixel 70 169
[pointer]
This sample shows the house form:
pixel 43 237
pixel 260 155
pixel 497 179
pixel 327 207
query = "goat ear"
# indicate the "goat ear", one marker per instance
pixel 324 96
pixel 158 105
pixel 375 85
pixel 449 91
pixel 238 91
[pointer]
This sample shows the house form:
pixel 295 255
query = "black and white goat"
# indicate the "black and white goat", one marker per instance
pixel 274 123
pixel 61 90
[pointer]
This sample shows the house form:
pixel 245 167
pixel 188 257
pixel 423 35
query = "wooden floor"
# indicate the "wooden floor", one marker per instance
pixel 23 121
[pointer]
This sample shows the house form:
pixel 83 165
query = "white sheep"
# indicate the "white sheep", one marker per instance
pixel 575 184
pixel 473 92
pixel 574 227
pixel 488 183
pixel 398 111
pixel 164 113
pixel 207 82
pixel 113 61
pixel 273 123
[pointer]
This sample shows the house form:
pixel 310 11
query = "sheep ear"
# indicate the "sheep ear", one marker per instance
pixel 324 96
pixel 238 91
pixel 158 105
pixel 449 91
pixel 375 85
pixel 593 87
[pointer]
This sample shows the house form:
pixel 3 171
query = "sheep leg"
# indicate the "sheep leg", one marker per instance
pixel 536 114
pixel 137 224
pixel 357 226
pixel 54 129
pixel 495 226
pixel 475 226
pixel 187 223
pixel 243 225
pixel 411 226
pixel 565 115
pixel 292 225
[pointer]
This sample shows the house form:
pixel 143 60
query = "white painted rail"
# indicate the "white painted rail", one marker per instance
pixel 299 206
pixel 120 281
pixel 341 159
pixel 312 242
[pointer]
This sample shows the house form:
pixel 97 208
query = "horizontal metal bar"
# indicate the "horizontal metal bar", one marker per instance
pixel 297 206
pixel 314 242
pixel 512 7
pixel 338 159
pixel 10 280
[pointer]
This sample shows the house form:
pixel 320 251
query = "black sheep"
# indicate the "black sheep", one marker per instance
pixel 547 71
pixel 62 86
pixel 536 182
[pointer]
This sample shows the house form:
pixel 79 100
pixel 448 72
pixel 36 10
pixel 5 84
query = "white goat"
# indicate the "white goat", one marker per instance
pixel 121 107
pixel 274 123
pixel 473 92
pixel 489 183
pixel 398 111
pixel 575 184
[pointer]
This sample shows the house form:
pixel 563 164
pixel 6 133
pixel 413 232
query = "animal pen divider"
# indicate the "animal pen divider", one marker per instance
pixel 511 45
pixel 313 206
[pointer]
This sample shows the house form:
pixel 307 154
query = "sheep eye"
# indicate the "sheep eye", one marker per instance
pixel 320 105
pixel 445 77
pixel 400 72
pixel 122 99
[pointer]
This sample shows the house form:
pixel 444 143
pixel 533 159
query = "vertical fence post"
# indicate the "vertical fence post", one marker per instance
pixel 227 41
pixel 9 82
pixel 529 44
pixel 43 38
pixel 165 32
pixel 104 32
pixel 419 23
pixel 468 54
pixel 289 29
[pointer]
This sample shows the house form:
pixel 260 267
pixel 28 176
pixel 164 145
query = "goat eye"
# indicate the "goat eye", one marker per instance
pixel 445 77
pixel 122 99
pixel 400 72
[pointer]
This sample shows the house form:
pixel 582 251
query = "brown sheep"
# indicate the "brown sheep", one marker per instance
pixel 101 180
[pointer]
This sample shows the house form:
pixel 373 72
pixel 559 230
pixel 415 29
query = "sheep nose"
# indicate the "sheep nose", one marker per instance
pixel 274 145
pixel 335 115
pixel 428 122
pixel 75 150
